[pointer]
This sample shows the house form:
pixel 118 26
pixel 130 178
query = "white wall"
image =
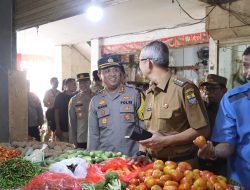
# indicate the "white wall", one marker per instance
pixel 73 62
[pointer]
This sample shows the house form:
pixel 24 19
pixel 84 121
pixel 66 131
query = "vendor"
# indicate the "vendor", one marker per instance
pixel 173 110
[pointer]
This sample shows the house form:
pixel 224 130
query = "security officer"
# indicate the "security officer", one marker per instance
pixel 214 88
pixel 113 111
pixel 232 130
pixel 173 111
pixel 78 112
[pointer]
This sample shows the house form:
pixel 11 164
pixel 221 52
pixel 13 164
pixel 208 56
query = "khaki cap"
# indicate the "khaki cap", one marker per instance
pixel 214 79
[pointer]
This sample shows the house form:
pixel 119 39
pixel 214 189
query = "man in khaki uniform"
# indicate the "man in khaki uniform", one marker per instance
pixel 173 111
pixel 78 112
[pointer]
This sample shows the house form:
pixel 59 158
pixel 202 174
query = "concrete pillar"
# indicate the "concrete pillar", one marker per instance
pixel 213 56
pixel 95 53
pixel 7 62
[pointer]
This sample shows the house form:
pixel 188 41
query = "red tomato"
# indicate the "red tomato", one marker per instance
pixel 186 180
pixel 134 181
pixel 218 186
pixel 170 187
pixel 171 183
pixel 200 184
pixel 142 186
pixel 200 141
pixel 150 181
pixel 184 166
pixel 166 177
pixel 156 187
pixel 184 186
pixel 132 187
pixel 176 175
pixel 210 185
pixel 189 174
pixel 157 173
pixel 170 164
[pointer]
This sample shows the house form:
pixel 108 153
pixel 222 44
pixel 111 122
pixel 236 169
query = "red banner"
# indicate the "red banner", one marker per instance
pixel 172 42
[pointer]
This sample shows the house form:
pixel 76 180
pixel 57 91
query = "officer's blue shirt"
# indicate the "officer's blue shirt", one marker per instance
pixel 233 126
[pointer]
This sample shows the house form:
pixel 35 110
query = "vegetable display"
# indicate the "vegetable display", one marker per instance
pixel 7 153
pixel 17 172
pixel 181 176
pixel 90 156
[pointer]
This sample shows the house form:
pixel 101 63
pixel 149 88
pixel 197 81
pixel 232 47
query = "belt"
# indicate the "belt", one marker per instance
pixel 182 158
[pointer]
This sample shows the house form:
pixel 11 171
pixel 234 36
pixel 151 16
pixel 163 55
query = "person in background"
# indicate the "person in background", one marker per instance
pixel 232 130
pixel 61 110
pixel 63 84
pixel 173 110
pixel 48 101
pixel 78 112
pixel 214 88
pixel 35 115
pixel 96 85
pixel 113 111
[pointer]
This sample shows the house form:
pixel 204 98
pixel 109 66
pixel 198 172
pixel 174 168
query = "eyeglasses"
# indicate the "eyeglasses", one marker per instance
pixel 211 89
pixel 143 59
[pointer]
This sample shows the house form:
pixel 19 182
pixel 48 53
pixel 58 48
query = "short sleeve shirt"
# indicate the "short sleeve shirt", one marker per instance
pixel 232 126
pixel 61 104
pixel 171 107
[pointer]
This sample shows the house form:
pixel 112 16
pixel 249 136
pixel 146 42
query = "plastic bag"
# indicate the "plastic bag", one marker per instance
pixel 36 156
pixel 75 167
pixel 52 181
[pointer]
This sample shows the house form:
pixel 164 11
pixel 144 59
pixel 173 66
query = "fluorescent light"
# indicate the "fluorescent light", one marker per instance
pixel 94 13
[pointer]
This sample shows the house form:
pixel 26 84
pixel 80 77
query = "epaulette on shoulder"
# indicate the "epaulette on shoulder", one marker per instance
pixel 180 82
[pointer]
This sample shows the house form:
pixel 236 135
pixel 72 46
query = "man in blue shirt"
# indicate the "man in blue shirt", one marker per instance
pixel 232 130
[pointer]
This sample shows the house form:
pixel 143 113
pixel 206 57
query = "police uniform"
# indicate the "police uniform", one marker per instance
pixel 232 126
pixel 111 118
pixel 78 116
pixel 171 107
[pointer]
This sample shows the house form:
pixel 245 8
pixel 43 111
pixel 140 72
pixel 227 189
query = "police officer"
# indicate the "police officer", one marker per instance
pixel 113 111
pixel 232 130
pixel 78 112
pixel 173 111
pixel 214 88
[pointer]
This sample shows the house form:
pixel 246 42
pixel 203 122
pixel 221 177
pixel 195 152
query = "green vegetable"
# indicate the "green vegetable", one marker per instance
pixel 101 185
pixel 86 186
pixel 113 182
pixel 17 172
pixel 111 176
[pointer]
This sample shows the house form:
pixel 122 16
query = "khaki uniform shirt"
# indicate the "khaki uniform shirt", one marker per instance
pixel 111 118
pixel 171 107
pixel 78 118
pixel 50 97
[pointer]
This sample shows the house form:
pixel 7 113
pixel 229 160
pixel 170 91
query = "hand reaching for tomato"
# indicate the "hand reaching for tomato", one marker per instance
pixel 200 141
pixel 207 151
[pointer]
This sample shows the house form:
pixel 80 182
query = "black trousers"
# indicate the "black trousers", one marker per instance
pixel 33 131
pixel 82 145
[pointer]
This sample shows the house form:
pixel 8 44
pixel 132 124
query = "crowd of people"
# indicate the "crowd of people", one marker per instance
pixel 101 113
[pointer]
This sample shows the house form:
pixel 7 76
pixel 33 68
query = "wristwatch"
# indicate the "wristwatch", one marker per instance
pixel 141 153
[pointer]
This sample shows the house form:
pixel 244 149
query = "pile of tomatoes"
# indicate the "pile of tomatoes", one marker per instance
pixel 6 153
pixel 173 176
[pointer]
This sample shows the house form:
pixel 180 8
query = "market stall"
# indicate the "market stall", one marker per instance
pixel 38 166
